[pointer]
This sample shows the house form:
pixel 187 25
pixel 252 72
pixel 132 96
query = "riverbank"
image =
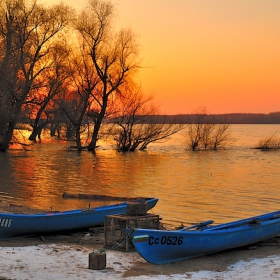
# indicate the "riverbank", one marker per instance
pixel 66 256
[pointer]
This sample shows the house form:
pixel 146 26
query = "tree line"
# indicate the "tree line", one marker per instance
pixel 231 118
pixel 63 68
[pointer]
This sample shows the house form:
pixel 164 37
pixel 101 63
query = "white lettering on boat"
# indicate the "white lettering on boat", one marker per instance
pixel 168 240
pixel 5 222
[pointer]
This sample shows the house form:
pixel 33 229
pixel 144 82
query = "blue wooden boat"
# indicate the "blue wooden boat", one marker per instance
pixel 12 225
pixel 168 246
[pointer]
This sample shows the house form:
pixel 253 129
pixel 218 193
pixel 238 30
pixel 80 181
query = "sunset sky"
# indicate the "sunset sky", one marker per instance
pixel 222 55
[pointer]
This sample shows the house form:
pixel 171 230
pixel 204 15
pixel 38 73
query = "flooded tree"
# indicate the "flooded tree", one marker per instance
pixel 138 123
pixel 271 142
pixel 113 54
pixel 41 104
pixel 203 133
pixel 76 102
pixel 27 32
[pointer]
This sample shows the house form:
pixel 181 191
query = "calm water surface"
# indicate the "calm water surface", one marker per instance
pixel 191 186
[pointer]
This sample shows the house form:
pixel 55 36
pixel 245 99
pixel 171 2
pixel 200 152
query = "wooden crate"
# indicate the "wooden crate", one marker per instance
pixel 118 229
pixel 136 208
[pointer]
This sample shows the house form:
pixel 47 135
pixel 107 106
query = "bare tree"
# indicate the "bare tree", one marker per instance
pixel 271 142
pixel 27 32
pixel 40 102
pixel 113 56
pixel 221 136
pixel 138 123
pixel 197 130
pixel 77 101
pixel 203 133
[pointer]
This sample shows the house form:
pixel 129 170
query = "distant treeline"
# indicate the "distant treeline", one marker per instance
pixel 234 118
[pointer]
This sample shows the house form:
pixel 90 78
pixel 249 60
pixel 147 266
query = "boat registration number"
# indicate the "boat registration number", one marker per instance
pixel 5 222
pixel 168 240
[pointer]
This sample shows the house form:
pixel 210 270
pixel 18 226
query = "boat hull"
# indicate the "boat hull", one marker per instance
pixel 163 246
pixel 12 225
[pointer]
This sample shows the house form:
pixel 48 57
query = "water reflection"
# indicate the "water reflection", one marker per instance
pixel 191 186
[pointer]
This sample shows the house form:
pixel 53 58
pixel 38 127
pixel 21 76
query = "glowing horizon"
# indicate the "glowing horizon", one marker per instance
pixel 222 55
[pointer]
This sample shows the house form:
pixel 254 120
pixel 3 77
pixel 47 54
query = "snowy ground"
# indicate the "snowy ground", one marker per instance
pixel 53 262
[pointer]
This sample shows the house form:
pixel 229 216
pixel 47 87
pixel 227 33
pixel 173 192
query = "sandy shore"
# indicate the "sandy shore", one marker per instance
pixel 65 256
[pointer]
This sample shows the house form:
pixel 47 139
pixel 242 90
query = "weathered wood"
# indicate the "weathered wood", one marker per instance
pixel 135 208
pixel 98 196
pixel 97 260
pixel 118 229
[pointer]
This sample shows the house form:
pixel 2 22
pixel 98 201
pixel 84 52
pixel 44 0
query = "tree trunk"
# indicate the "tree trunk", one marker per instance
pixel 53 129
pixel 36 133
pixel 92 145
pixel 37 129
pixel 6 136
pixel 78 138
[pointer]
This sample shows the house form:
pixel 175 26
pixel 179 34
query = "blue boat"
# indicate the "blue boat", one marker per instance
pixel 169 246
pixel 12 225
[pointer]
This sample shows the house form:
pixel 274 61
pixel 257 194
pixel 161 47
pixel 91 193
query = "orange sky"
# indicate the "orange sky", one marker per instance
pixel 220 54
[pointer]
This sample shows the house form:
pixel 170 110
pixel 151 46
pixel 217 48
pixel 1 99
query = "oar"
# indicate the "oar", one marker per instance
pixel 202 224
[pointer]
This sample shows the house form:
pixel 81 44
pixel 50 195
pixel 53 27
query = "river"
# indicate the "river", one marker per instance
pixel 191 186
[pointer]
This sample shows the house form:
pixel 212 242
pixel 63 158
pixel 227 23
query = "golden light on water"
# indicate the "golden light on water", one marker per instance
pixel 191 186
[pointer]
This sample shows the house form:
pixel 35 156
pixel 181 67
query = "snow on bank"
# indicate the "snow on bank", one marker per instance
pixel 53 262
